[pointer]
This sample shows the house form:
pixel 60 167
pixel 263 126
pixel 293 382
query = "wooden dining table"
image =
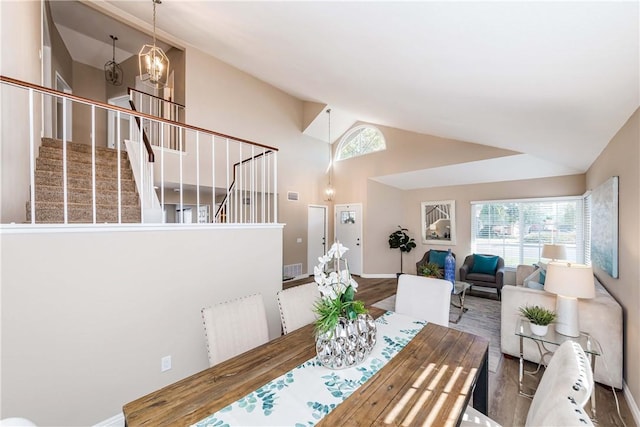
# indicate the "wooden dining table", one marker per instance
pixel 429 382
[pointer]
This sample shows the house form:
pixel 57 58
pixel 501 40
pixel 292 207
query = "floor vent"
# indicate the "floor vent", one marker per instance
pixel 292 270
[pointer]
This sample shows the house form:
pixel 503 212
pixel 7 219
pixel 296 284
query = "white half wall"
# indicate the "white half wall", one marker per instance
pixel 87 316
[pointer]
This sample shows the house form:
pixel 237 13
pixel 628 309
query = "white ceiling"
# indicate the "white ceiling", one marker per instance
pixel 554 80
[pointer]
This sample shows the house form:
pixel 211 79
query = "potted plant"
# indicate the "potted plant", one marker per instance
pixel 431 269
pixel 399 239
pixel 539 317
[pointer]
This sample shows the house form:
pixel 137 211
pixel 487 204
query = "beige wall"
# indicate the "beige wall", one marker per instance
pixel 380 259
pixel 89 82
pixel 622 158
pixel 84 332
pixel 224 99
pixel 18 21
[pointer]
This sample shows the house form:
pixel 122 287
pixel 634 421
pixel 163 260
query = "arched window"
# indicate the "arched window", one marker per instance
pixel 360 140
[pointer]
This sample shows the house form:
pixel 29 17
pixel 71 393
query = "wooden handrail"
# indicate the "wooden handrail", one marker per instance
pixel 147 144
pixel 233 182
pixel 130 89
pixel 88 101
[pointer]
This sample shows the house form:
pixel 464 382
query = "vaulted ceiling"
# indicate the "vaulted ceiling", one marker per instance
pixel 552 80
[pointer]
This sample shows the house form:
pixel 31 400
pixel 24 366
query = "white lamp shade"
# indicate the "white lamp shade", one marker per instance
pixel 570 280
pixel 554 252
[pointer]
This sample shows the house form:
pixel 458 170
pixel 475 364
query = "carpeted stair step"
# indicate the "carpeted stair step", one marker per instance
pixel 81 157
pixel 52 193
pixel 49 192
pixel 83 181
pixel 82 148
pixel 47 212
pixel 84 169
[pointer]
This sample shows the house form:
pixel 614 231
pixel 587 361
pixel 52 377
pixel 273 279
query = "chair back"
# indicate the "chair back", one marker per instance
pixel 296 306
pixel 234 327
pixel 424 298
pixel 565 387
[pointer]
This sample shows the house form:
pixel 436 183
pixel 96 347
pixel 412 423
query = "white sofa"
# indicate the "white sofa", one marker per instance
pixel 601 317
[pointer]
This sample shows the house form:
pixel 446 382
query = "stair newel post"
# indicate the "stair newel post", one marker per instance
pixel 118 148
pixel 93 163
pixel 32 172
pixel 162 172
pixel 198 176
pixel 64 161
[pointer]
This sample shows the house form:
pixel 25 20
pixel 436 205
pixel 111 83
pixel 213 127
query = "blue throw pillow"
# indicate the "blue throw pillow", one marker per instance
pixel 437 257
pixel 484 264
pixel 542 276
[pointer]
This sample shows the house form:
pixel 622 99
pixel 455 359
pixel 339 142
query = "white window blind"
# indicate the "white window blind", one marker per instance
pixel 517 230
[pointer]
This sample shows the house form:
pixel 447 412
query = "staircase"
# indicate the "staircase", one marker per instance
pixel 49 192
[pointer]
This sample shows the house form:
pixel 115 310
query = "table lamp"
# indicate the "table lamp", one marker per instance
pixel 554 252
pixel 569 282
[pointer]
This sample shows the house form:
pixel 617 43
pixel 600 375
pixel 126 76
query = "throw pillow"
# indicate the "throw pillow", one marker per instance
pixel 532 284
pixel 484 264
pixel 437 257
pixel 542 277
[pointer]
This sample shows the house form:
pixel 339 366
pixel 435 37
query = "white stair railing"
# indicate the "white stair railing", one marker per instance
pixel 197 172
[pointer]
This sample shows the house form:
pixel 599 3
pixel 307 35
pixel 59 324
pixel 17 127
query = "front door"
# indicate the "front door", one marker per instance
pixel 316 235
pixel 348 226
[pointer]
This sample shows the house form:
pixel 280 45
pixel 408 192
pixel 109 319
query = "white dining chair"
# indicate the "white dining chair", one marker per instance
pixel 234 327
pixel 565 387
pixel 424 298
pixel 296 306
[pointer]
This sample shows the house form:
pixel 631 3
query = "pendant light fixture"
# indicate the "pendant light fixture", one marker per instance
pixel 329 192
pixel 152 61
pixel 112 70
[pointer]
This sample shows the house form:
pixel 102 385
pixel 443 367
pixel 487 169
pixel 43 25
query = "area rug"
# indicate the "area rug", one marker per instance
pixel 482 318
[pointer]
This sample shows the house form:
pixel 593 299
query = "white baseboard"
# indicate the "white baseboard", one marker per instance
pixel 115 421
pixel 379 276
pixel 631 402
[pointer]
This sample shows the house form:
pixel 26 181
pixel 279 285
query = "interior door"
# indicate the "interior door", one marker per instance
pixel 348 226
pixel 316 235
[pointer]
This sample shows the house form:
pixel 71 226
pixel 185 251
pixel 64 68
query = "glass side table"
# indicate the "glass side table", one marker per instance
pixel 460 289
pixel 523 330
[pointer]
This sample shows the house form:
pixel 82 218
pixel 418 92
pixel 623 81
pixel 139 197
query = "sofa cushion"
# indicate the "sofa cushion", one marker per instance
pixel 484 264
pixel 437 257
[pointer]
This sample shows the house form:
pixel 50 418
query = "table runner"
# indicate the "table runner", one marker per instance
pixel 304 395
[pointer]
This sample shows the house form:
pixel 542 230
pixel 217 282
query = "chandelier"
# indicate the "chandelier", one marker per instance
pixel 329 192
pixel 152 61
pixel 112 70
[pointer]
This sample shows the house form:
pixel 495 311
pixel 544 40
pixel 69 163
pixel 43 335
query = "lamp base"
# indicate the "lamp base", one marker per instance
pixel 567 320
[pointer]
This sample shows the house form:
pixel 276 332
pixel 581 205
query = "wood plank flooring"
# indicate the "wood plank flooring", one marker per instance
pixel 506 406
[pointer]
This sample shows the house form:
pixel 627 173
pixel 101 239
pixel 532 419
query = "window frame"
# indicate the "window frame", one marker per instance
pixel 576 250
pixel 343 142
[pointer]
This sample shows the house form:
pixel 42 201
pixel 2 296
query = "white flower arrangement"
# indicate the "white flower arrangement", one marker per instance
pixel 337 289
pixel 336 281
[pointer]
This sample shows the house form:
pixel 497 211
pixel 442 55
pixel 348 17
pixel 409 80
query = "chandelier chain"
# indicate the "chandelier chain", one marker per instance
pixel 154 23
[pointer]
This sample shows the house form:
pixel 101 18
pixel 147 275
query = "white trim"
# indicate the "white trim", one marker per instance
pixel 379 276
pixel 631 402
pixel 115 421
pixel 530 199
pixel 104 228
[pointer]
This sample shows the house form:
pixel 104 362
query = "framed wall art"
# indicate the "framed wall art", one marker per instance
pixel 604 227
pixel 439 222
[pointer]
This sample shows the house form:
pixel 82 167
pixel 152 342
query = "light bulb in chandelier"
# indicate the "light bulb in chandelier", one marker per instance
pixel 329 193
pixel 153 63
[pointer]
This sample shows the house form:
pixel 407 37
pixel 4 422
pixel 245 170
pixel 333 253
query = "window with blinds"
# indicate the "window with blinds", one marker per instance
pixel 517 230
